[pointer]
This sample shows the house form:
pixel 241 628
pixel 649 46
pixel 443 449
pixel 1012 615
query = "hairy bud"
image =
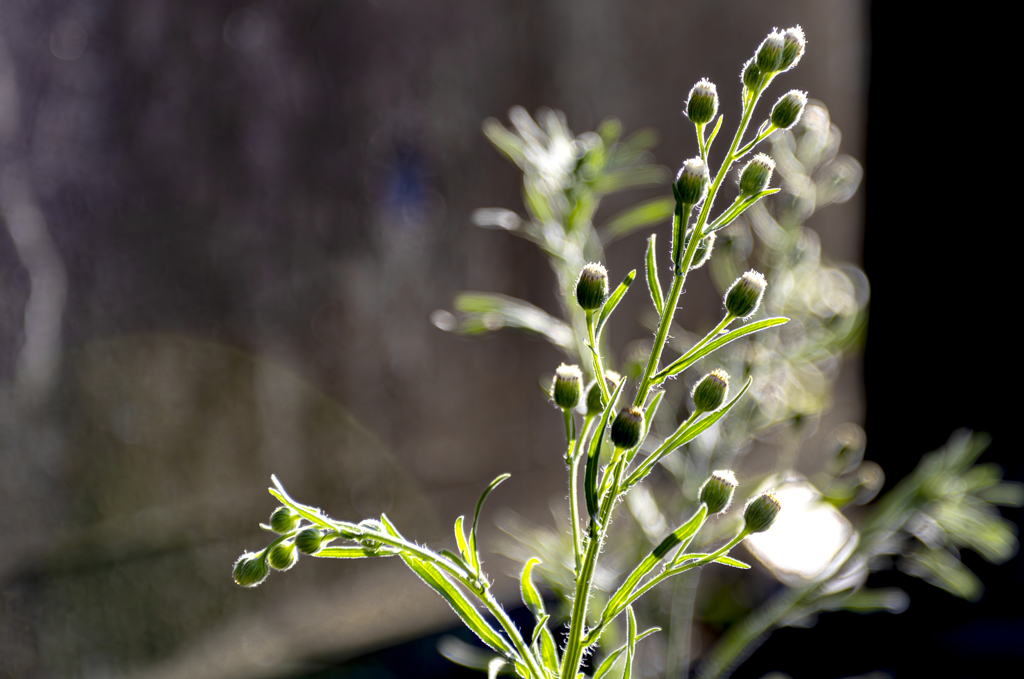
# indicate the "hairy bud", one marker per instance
pixel 769 54
pixel 309 540
pixel 717 491
pixel 692 181
pixel 761 512
pixel 595 399
pixel 284 520
pixel 628 427
pixel 592 286
pixel 793 49
pixel 283 556
pixel 709 393
pixel 250 569
pixel 745 294
pixel 751 75
pixel 567 386
pixel 756 174
pixel 788 109
pixel 703 252
pixel 702 106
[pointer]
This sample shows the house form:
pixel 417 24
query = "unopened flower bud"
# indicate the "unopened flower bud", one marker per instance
pixel 703 252
pixel 692 181
pixel 760 512
pixel 769 54
pixel 250 569
pixel 567 386
pixel 717 491
pixel 284 520
pixel 709 393
pixel 745 294
pixel 788 109
pixel 595 399
pixel 308 540
pixel 702 105
pixel 628 427
pixel 592 286
pixel 793 49
pixel 283 556
pixel 756 174
pixel 751 75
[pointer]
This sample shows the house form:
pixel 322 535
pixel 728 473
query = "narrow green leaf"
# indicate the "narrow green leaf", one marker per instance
pixel 473 551
pixel 531 597
pixel 461 605
pixel 653 284
pixel 637 217
pixel 606 665
pixel 594 454
pixel 487 312
pixel 613 301
pixel 456 559
pixel 736 209
pixel 630 643
pixel 460 538
pixel 538 627
pixel 548 649
pixel 355 552
pixel 506 142
pixel 729 561
pixel 689 358
pixel 714 134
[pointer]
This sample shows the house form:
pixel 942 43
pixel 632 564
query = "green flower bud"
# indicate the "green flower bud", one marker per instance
pixel 284 520
pixel 703 252
pixel 751 75
pixel 283 555
pixel 628 427
pixel 769 54
pixel 595 399
pixel 702 106
pixel 692 181
pixel 788 109
pixel 592 286
pixel 709 393
pixel 250 569
pixel 745 294
pixel 760 512
pixel 793 49
pixel 567 386
pixel 308 540
pixel 717 491
pixel 756 174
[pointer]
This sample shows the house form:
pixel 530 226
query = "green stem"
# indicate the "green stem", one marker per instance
pixel 660 376
pixel 598 369
pixel 645 467
pixel 574 512
pixel 513 632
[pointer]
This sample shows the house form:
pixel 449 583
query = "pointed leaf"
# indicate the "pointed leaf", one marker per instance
pixel 689 358
pixel 606 665
pixel 736 209
pixel 355 552
pixel 653 284
pixel 311 514
pixel 460 538
pixel 613 301
pixel 729 561
pixel 648 213
pixel 531 597
pixel 473 551
pixel 630 643
pixel 548 649
pixel 461 605
pixel 487 312
pixel 714 134
pixel 594 454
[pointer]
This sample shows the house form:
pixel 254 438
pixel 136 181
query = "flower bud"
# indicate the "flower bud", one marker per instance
pixel 283 555
pixel 717 491
pixel 793 49
pixel 745 294
pixel 567 386
pixel 592 286
pixel 751 75
pixel 703 252
pixel 284 520
pixel 702 105
pixel 595 399
pixel 756 174
pixel 760 512
pixel 250 569
pixel 692 181
pixel 709 393
pixel 788 109
pixel 769 54
pixel 628 427
pixel 308 541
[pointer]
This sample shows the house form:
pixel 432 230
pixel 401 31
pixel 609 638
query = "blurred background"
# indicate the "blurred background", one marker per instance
pixel 226 227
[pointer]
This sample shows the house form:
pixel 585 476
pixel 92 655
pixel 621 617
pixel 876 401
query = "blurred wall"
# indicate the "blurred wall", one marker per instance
pixel 226 226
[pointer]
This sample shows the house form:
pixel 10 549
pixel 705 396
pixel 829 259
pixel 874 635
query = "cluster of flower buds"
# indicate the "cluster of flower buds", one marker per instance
pixel 567 386
pixel 252 568
pixel 709 393
pixel 592 286
pixel 779 52
pixel 628 428
pixel 702 105
pixel 745 294
pixel 692 182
